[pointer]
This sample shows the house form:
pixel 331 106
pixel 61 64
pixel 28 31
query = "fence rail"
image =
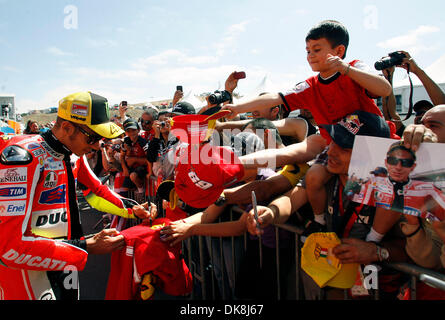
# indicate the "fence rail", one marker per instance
pixel 213 267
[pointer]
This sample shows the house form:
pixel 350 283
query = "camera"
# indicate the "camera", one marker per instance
pixel 162 124
pixel 393 59
pixel 220 97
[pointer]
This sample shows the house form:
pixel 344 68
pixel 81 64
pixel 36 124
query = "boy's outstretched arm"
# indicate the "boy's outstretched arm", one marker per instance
pixel 374 84
pixel 258 103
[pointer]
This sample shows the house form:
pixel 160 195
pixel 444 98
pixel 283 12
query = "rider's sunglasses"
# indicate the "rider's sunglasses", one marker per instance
pixel 91 137
pixel 406 163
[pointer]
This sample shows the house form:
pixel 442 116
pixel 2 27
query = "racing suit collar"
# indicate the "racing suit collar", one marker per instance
pixel 399 183
pixel 55 147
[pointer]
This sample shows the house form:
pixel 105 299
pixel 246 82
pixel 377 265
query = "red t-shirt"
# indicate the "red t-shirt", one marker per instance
pixel 330 100
pixel 148 135
pixel 145 253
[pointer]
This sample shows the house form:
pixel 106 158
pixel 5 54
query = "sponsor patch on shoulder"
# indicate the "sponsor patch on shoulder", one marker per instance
pixel 13 155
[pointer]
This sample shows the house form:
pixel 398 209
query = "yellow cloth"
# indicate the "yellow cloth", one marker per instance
pixel 294 173
pixel 318 261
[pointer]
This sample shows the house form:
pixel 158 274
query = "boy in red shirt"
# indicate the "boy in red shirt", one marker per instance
pixel 338 90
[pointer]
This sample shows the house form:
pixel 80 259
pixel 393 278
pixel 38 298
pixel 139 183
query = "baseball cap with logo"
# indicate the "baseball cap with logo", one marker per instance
pixel 91 110
pixel 359 123
pixel 200 184
pixel 318 261
pixel 182 108
pixel 130 124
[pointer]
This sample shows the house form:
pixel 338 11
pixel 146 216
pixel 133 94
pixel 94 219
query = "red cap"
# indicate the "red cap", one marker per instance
pixel 203 172
pixel 195 128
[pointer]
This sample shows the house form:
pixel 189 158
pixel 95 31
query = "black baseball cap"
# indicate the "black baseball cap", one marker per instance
pixel 164 189
pixel 130 124
pixel 422 106
pixel 379 170
pixel 359 123
pixel 182 108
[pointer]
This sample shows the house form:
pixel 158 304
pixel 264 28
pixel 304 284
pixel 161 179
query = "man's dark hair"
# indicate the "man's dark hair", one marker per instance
pixel 333 31
pixel 261 123
pixel 399 146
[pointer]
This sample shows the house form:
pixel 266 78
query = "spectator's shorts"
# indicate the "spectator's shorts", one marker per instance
pixel 322 158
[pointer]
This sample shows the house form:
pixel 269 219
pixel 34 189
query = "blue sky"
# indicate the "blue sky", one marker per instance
pixel 140 50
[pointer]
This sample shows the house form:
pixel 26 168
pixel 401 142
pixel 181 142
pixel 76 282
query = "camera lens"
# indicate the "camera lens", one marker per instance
pixel 219 97
pixel 393 59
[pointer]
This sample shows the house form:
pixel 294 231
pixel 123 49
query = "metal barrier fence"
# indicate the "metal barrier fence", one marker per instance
pixel 205 275
pixel 214 263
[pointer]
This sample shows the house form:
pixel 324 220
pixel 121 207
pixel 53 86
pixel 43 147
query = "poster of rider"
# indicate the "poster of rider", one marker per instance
pixel 383 173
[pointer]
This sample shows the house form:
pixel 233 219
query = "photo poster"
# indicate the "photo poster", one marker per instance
pixel 376 181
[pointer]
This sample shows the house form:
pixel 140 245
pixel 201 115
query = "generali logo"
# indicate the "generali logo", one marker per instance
pixel 13 175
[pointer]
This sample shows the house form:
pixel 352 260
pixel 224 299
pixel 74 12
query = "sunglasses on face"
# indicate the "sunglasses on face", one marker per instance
pixel 91 137
pixel 146 122
pixel 406 163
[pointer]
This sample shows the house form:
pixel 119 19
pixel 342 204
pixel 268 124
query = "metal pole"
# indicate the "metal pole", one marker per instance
pixel 201 265
pixel 277 257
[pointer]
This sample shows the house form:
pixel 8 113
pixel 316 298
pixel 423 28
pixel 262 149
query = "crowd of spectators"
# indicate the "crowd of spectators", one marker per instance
pixel 311 153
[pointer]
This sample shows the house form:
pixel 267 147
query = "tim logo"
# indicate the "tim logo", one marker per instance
pixel 12 192
pixel 53 196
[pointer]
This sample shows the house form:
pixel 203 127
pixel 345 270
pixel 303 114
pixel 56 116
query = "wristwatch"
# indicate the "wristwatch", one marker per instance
pixel 382 253
pixel 221 201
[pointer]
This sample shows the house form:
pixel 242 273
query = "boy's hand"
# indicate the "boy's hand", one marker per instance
pixel 336 63
pixel 232 108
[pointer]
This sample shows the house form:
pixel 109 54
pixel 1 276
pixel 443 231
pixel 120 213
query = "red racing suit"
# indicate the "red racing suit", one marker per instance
pixel 421 199
pixel 40 231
